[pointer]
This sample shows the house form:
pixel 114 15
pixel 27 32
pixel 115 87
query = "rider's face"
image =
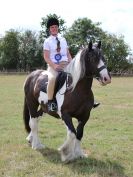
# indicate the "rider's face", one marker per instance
pixel 54 30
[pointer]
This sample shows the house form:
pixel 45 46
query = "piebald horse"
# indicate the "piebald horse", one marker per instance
pixel 74 98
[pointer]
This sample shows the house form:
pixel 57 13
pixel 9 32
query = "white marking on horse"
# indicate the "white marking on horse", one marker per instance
pixel 71 149
pixel 33 136
pixel 78 151
pixel 101 63
pixel 104 74
pixel 67 150
pixel 60 98
pixel 45 73
pixel 43 97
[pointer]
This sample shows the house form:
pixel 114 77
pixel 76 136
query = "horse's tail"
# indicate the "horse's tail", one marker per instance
pixel 26 116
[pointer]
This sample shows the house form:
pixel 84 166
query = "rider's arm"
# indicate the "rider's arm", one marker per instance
pixel 46 56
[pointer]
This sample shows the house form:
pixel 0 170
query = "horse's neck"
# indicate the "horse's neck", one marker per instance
pixel 85 83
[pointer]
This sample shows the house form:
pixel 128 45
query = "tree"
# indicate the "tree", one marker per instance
pixel 30 51
pixel 10 50
pixel 1 53
pixel 115 49
pixel 116 52
pixel 81 32
pixel 24 50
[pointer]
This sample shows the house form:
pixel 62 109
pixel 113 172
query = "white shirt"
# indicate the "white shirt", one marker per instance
pixel 50 44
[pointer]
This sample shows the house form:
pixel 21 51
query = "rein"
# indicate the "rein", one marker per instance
pixel 68 87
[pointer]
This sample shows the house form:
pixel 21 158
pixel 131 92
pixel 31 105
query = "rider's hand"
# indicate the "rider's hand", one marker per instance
pixel 57 67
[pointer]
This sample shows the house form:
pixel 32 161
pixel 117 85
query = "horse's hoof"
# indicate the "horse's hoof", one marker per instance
pixel 84 155
pixel 29 139
pixel 59 149
pixel 38 147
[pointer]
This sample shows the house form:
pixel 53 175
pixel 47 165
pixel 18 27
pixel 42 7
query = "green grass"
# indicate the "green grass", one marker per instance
pixel 108 135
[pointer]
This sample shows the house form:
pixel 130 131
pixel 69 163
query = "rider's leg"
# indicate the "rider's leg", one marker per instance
pixel 50 88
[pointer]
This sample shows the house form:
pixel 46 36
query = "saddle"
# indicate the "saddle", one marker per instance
pixel 60 80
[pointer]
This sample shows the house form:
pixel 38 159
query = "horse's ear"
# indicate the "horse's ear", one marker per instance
pixel 90 46
pixel 99 44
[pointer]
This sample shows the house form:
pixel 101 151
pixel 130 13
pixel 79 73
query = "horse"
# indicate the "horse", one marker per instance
pixel 74 98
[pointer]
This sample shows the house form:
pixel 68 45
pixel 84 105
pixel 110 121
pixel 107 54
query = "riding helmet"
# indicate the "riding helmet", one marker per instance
pixel 52 21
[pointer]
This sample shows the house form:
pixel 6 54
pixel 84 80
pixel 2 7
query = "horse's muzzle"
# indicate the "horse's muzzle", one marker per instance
pixel 105 80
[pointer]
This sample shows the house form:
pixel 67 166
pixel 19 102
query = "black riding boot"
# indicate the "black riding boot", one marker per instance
pixel 96 104
pixel 52 106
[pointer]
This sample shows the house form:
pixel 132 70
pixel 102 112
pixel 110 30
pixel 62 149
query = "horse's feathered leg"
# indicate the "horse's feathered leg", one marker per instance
pixel 36 144
pixel 33 124
pixel 80 128
pixel 67 149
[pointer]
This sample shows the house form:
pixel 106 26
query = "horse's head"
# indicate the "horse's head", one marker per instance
pixel 95 63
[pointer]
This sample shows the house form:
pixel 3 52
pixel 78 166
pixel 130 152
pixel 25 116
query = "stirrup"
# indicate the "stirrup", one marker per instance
pixel 52 107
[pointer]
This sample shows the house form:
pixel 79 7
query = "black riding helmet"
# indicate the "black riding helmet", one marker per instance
pixel 52 21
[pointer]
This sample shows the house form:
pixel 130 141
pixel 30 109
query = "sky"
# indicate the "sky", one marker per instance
pixel 116 16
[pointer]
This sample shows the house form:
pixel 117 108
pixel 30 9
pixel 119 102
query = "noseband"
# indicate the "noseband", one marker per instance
pixel 97 75
pixel 101 68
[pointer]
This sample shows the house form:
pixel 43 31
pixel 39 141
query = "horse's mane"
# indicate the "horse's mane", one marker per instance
pixel 76 68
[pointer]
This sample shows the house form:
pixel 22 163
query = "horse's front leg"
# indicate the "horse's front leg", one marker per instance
pixel 80 128
pixel 67 150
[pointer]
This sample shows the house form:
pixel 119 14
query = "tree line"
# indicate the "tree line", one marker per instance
pixel 23 50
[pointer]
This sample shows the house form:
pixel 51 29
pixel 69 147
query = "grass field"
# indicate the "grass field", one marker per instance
pixel 108 135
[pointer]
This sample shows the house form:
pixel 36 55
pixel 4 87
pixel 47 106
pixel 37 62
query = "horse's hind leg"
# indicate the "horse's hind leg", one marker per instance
pixel 35 141
pixel 33 123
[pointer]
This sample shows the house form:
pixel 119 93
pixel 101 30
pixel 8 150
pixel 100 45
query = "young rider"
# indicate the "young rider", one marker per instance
pixel 57 56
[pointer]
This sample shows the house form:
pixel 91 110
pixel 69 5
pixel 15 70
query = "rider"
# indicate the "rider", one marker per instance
pixel 57 56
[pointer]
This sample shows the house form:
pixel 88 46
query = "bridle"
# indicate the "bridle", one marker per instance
pixel 101 68
pixel 97 75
